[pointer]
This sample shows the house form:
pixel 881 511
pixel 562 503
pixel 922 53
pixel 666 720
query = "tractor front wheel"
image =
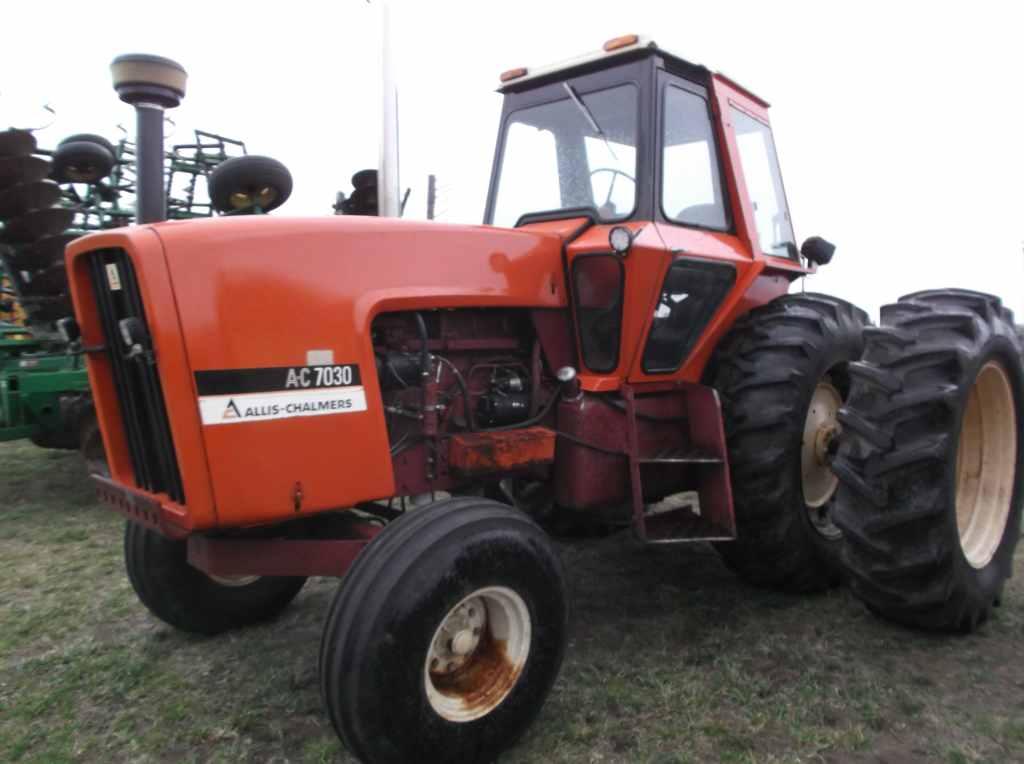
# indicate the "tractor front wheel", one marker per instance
pixel 192 601
pixel 783 373
pixel 445 635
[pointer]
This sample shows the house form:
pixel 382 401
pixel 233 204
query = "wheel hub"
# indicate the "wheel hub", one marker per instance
pixel 262 197
pixel 820 430
pixel 477 654
pixel 822 444
pixel 458 636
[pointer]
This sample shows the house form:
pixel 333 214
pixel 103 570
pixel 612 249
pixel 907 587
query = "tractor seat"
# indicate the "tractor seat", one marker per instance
pixel 708 215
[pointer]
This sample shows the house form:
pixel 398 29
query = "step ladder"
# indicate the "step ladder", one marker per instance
pixel 710 518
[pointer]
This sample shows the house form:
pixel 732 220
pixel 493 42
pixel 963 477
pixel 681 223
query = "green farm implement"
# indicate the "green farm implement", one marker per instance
pixel 47 199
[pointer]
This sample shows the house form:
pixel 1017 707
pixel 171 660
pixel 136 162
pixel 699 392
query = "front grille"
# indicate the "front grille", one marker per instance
pixel 135 375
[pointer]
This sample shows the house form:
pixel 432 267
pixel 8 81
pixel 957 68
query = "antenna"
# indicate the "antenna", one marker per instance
pixel 151 84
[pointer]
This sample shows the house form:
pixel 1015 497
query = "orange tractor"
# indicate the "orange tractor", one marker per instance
pixel 408 405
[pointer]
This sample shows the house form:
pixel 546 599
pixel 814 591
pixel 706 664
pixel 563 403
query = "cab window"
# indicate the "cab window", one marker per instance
pixel 764 185
pixel 577 151
pixel 691 186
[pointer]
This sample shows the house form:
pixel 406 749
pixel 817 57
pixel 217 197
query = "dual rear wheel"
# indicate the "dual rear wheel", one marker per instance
pixel 889 456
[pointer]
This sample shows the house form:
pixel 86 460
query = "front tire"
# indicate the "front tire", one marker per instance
pixel 782 374
pixel 445 635
pixel 930 502
pixel 187 598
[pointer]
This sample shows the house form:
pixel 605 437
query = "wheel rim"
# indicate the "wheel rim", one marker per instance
pixel 819 482
pixel 477 654
pixel 83 173
pixel 986 464
pixel 262 197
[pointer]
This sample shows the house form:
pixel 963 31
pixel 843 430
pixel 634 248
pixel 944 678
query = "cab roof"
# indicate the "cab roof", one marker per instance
pixel 624 47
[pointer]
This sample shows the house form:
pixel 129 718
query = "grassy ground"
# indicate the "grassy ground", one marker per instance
pixel 671 660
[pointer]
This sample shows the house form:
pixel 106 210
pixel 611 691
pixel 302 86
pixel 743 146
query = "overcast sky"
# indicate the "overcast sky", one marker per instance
pixel 900 126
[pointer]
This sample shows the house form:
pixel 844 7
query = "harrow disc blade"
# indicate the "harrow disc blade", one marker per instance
pixel 37 224
pixel 42 253
pixel 25 197
pixel 16 143
pixel 22 169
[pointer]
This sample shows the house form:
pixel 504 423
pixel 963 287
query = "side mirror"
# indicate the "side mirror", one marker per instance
pixel 818 251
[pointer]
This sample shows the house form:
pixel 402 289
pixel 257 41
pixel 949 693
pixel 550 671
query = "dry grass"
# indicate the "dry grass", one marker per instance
pixel 672 660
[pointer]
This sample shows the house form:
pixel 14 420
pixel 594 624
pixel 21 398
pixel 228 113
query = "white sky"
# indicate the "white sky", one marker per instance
pixel 899 125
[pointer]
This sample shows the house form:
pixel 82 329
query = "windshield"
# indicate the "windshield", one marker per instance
pixel 576 152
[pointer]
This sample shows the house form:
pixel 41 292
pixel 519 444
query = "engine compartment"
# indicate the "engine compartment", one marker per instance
pixel 446 373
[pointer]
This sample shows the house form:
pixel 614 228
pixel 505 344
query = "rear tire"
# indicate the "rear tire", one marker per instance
pixel 187 598
pixel 398 687
pixel 930 501
pixel 778 368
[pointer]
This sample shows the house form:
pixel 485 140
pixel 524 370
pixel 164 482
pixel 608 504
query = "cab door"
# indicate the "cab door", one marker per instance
pixel 708 262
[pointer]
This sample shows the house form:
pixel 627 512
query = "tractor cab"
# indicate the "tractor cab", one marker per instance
pixel 663 179
pixel 633 133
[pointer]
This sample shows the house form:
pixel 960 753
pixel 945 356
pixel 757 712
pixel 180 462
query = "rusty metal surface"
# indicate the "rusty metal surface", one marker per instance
pixel 479 453
pixel 484 680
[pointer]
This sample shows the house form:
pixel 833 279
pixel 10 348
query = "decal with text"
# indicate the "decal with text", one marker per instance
pixel 233 396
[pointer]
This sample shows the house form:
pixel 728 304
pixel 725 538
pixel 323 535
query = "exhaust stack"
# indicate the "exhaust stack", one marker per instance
pixel 151 84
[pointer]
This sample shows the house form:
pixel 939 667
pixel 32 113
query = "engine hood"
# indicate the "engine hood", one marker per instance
pixel 251 289
pixel 233 300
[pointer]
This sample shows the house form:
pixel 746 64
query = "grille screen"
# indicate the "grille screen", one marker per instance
pixel 135 374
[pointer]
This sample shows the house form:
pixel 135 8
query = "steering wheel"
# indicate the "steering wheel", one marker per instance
pixel 611 186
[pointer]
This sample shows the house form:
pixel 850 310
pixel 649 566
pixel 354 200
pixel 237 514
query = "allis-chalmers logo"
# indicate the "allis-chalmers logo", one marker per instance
pixel 231 411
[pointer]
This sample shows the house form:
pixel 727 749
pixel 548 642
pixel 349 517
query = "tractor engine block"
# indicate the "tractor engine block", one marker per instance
pixel 452 373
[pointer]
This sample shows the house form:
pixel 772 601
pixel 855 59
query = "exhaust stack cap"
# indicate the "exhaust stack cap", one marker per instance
pixel 143 78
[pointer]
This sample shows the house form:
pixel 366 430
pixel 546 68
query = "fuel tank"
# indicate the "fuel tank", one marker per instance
pixel 260 331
